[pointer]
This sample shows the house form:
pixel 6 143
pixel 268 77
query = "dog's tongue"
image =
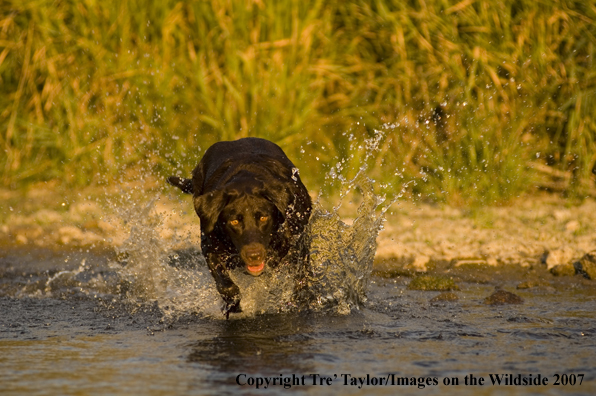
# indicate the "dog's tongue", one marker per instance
pixel 256 268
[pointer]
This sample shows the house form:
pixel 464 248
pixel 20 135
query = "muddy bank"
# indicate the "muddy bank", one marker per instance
pixel 543 231
pixel 536 229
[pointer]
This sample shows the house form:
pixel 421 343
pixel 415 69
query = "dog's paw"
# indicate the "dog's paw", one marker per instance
pixel 232 306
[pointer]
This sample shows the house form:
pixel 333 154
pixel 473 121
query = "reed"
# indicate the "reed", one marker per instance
pixel 477 101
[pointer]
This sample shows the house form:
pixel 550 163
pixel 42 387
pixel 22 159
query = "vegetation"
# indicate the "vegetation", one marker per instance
pixel 477 100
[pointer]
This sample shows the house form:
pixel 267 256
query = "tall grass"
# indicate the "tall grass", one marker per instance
pixel 477 100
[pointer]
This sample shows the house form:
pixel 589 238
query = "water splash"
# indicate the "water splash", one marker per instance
pixel 342 255
pixel 335 278
pixel 62 278
pixel 152 271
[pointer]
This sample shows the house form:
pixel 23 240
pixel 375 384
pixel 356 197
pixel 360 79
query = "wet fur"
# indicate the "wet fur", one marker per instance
pixel 252 206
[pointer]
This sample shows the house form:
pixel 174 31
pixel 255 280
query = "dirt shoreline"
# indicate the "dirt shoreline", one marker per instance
pixel 541 230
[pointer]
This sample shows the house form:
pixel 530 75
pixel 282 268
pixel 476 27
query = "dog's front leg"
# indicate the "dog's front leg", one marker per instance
pixel 225 286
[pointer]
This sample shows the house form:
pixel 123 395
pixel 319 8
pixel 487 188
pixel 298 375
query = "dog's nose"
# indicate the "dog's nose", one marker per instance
pixel 254 258
pixel 254 254
pixel 254 250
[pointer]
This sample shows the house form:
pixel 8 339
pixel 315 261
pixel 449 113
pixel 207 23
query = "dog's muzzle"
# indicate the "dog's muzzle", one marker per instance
pixel 254 256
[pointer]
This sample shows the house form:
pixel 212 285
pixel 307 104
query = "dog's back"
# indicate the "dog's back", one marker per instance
pixel 230 157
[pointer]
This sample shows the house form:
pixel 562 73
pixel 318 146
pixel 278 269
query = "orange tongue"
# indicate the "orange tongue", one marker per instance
pixel 256 268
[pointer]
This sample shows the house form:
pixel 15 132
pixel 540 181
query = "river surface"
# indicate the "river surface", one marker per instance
pixel 64 332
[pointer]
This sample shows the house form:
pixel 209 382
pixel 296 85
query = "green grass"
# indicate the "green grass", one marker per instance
pixel 477 101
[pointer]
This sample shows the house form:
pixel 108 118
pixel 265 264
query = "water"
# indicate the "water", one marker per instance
pixel 146 319
pixel 72 344
pixel 78 322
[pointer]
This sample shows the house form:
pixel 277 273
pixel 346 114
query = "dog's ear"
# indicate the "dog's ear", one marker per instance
pixel 184 184
pixel 281 197
pixel 208 207
pixel 292 201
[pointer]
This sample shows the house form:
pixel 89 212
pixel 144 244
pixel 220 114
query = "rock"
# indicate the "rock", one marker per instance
pixel 83 210
pixel 106 226
pixel 561 214
pixel 45 216
pixel 502 297
pixel 587 265
pixel 419 263
pixel 572 226
pixel 428 282
pixel 492 261
pixel 558 257
pixel 563 270
pixel 531 284
pixel 445 297
pixel 407 266
pixel 468 262
pixel 71 234
pixel 27 234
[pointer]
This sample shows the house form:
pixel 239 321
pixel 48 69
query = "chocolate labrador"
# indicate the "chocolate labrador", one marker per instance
pixel 252 207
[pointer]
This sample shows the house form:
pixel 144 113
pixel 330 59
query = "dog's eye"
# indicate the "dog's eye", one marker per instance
pixel 264 218
pixel 234 222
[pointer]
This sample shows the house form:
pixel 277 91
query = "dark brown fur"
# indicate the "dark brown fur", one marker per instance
pixel 252 206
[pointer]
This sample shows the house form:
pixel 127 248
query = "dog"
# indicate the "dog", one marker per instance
pixel 252 208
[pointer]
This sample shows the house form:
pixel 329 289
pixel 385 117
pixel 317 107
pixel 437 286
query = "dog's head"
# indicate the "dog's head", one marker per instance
pixel 249 215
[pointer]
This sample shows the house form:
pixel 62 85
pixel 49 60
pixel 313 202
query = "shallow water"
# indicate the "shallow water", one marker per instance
pixel 62 331
pixel 146 319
